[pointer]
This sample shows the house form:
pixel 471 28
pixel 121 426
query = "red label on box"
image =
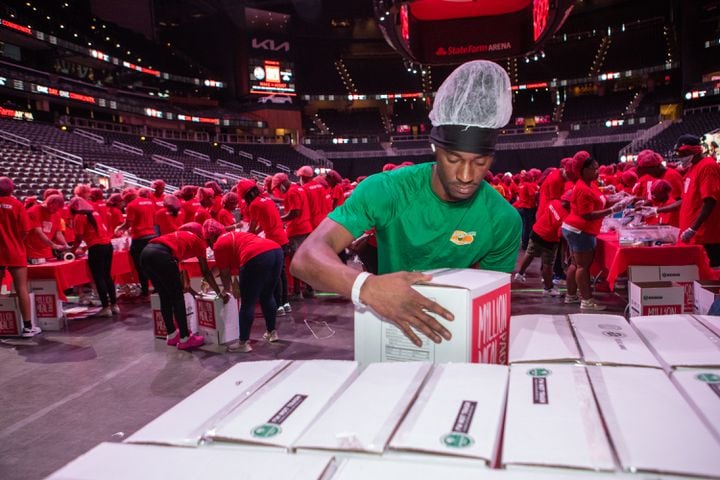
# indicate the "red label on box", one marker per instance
pixel 8 323
pixel 661 309
pixel 160 330
pixel 46 306
pixel 206 314
pixel 689 300
pixel 490 314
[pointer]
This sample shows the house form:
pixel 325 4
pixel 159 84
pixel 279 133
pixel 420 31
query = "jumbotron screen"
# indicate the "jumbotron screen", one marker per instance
pixel 272 76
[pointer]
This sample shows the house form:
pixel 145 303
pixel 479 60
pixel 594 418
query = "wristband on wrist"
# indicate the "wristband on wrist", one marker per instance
pixel 357 285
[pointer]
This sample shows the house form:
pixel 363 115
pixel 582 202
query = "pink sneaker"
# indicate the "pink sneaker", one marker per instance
pixel 192 342
pixel 172 342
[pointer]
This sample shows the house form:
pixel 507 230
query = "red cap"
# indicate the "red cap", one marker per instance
pixel 230 201
pixel 129 194
pixel 171 202
pixel 96 194
pixel 278 179
pixel 389 166
pixel 79 204
pixel 51 191
pixel 6 186
pixel 114 200
pixel 322 181
pixel 56 200
pixel 244 186
pixel 159 183
pixel 578 161
pixel 648 158
pixel 144 192
pixel 214 186
pixel 305 171
pixel 193 227
pixel 629 178
pixel 82 190
pixel 660 186
pixel 212 229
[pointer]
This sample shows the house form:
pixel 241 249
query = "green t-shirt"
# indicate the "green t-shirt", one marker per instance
pixel 418 231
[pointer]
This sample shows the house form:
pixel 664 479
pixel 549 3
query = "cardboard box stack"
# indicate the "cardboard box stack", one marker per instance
pixel 682 275
pixel 480 301
pixel 656 298
pixel 542 338
pixel 701 389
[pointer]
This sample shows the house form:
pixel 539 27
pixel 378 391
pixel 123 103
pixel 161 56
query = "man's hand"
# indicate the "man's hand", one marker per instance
pixel 392 297
pixel 687 235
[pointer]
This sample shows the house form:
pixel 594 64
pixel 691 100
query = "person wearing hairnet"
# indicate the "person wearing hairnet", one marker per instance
pixel 433 215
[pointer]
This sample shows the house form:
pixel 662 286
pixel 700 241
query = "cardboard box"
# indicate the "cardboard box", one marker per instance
pixel 480 301
pixel 679 340
pixel 552 420
pixel 147 462
pixel 701 388
pixel 458 413
pixel 284 407
pixel 656 298
pixel 705 292
pixel 365 415
pixel 49 313
pixel 11 323
pixel 186 423
pixel 218 322
pixel 610 340
pixel 651 425
pixel 683 275
pixel 542 338
pixel 711 322
pixel 159 329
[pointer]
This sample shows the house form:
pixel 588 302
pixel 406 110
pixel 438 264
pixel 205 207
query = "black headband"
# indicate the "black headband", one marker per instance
pixel 465 139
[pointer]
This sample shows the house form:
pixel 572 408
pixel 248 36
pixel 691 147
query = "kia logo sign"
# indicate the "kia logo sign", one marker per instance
pixel 269 44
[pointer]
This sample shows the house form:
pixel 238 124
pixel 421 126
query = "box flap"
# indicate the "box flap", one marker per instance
pixel 364 416
pixel 458 412
pixel 610 340
pixel 701 388
pixel 467 278
pixel 284 407
pixel 643 273
pixel 679 340
pixel 542 338
pixel 652 427
pixel 187 422
pixel 552 420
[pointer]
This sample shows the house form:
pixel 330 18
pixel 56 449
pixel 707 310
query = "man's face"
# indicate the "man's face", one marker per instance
pixel 458 175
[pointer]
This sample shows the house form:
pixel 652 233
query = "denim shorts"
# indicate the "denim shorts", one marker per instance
pixel 579 242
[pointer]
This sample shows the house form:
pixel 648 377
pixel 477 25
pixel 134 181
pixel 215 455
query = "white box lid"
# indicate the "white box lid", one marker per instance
pixel 458 412
pixel 552 419
pixel 679 340
pixel 542 338
pixel 710 321
pixel 467 278
pixel 651 425
pixel 701 388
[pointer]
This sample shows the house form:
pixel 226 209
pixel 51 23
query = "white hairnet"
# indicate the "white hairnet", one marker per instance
pixel 476 94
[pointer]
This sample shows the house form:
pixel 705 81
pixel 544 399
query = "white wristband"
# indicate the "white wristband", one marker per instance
pixel 357 285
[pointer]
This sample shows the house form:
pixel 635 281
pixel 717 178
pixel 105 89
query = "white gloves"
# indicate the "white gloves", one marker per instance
pixel 687 235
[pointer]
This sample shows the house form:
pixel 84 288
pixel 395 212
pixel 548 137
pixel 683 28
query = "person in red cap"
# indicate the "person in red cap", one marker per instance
pixel 158 195
pixel 170 217
pixel 206 198
pixel 14 227
pixel 82 190
pixel 588 206
pixel 526 205
pixel 699 213
pixel 97 200
pixel 315 194
pixel 45 234
pixel 140 220
pixel 649 169
pixel 160 260
pixel 115 214
pixel 29 202
pixel 259 262
pixel 264 217
pixel 336 184
pixel 656 212
pixel 326 196
pixel 229 205
pixel 190 203
pixel 216 206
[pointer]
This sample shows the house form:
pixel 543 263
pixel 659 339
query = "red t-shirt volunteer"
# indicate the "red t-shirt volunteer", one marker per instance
pixel 49 223
pixel 585 199
pixel 115 218
pixel 183 245
pixel 14 226
pixel 296 199
pixel 316 202
pixel 549 220
pixel 167 222
pixel 264 212
pixel 141 216
pixel 701 181
pixel 665 218
pixel 85 230
pixel 225 217
pixel 235 249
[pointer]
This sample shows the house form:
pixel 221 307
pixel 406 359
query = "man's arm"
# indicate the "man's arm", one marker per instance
pixel 292 214
pixel 391 296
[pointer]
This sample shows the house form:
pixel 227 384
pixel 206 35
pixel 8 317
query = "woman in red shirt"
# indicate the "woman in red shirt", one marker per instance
pixel 663 209
pixel 115 215
pixel 229 205
pixel 91 227
pixel 588 206
pixel 159 260
pixel 14 227
pixel 170 217
pixel 259 261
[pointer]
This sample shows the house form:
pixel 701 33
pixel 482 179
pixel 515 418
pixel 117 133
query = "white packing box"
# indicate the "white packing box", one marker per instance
pixel 11 322
pixel 364 416
pixel 701 388
pixel 542 338
pixel 656 298
pixel 186 423
pixel 119 461
pixel 459 413
pixel 705 292
pixel 710 321
pixel 683 275
pixel 218 322
pixel 651 425
pixel 679 340
pixel 159 329
pixel 480 301
pixel 284 407
pixel 610 340
pixel 552 420
pixel 49 313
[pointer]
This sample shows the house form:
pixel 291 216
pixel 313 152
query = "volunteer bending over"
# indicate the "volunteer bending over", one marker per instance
pixel 426 216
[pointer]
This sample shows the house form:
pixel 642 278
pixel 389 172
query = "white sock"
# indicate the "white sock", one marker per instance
pixel 184 339
pixel 172 335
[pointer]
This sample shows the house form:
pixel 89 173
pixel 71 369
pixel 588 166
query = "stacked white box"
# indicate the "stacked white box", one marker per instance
pixel 458 413
pixel 652 427
pixel 49 313
pixel 701 388
pixel 11 322
pixel 711 322
pixel 542 338
pixel 218 322
pixel 186 423
pixel 610 340
pixel 552 420
pixel 364 416
pixel 283 409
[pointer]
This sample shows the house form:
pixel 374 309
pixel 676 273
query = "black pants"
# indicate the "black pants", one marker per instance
pixel 281 289
pixel 136 248
pixel 162 269
pixel 713 253
pixel 528 220
pixel 100 262
pixel 258 278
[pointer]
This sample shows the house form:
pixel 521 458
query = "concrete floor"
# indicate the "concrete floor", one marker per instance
pixel 62 393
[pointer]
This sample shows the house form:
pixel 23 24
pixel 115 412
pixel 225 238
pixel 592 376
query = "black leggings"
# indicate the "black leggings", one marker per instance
pixel 713 252
pixel 162 269
pixel 136 248
pixel 258 278
pixel 100 262
pixel 281 289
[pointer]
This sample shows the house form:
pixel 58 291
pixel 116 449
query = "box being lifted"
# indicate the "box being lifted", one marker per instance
pixel 480 301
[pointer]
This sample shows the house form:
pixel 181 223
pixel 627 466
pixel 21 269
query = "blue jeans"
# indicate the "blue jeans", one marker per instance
pixel 579 242
pixel 258 279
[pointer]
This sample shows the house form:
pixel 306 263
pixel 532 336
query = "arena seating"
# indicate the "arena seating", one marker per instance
pixel 555 64
pixel 353 122
pixel 696 124
pixel 588 107
pixel 636 47
pixel 386 76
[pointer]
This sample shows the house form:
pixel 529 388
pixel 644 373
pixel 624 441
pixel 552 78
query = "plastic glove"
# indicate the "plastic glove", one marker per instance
pixel 648 211
pixel 687 235
pixel 609 189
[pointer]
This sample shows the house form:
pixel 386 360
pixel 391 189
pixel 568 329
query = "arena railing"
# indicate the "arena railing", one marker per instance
pixel 68 157
pixel 11 137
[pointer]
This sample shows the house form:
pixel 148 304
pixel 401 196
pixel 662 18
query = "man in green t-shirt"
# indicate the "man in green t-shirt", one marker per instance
pixel 435 215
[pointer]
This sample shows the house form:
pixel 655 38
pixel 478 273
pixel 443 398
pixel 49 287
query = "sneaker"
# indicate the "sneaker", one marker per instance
pixel 591 304
pixel 287 308
pixel 280 312
pixel 271 336
pixel 115 309
pixel 105 312
pixel 572 299
pixel 558 280
pixel 552 292
pixel 173 341
pixel 519 277
pixel 193 341
pixel 30 332
pixel 240 347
